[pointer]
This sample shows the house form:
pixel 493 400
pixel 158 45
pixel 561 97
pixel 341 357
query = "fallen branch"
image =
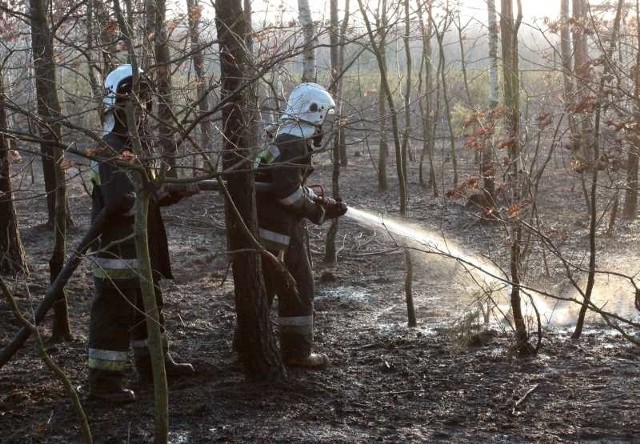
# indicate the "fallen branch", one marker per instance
pixel 57 371
pixel 523 398
pixel 55 289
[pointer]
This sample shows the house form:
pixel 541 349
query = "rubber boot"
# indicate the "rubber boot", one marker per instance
pixel 173 369
pixel 108 386
pixel 313 360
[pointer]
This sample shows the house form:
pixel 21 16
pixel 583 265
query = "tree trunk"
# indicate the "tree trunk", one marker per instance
pixel 383 144
pixel 330 252
pixel 633 160
pixel 12 256
pixel 487 169
pixel 206 127
pixel 408 292
pixel 342 44
pixel 595 155
pixel 50 112
pixel 259 355
pixel 152 313
pixel 48 103
pixel 445 97
pixel 511 80
pixel 166 127
pixel 427 103
pixel 583 142
pixel 406 148
pixel 309 52
pixel 378 52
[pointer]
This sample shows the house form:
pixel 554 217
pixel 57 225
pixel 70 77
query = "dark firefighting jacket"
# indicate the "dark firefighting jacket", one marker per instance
pixel 281 196
pixel 113 189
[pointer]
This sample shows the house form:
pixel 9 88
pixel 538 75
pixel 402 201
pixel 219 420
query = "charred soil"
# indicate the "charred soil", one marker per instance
pixel 446 380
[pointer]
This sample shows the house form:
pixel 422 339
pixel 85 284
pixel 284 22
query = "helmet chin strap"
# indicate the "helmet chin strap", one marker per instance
pixel 317 138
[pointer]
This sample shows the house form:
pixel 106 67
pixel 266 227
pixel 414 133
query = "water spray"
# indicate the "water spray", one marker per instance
pixel 433 242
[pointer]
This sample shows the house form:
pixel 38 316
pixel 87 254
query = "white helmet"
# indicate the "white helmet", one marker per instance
pixel 309 102
pixel 118 81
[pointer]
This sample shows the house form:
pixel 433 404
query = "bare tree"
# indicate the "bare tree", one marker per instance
pixel 310 42
pixel 511 80
pixel 383 144
pixel 50 113
pixel 387 95
pixel 633 159
pixel 337 37
pixel 259 353
pixel 427 100
pixel 406 135
pixel 206 128
pixel 12 255
pixel 487 169
pixel 593 161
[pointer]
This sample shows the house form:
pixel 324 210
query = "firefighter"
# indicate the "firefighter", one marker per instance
pixel 284 202
pixel 117 313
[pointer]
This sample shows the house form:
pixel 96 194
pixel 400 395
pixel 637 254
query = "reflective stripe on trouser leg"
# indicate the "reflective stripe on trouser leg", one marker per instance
pixel 115 268
pixel 296 336
pixel 111 314
pixel 110 360
pixel 141 350
pixel 296 311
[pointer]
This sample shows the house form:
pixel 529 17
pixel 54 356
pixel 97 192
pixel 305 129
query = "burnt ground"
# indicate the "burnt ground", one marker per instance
pixel 448 380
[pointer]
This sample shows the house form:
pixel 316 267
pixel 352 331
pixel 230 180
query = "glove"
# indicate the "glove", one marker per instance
pixel 171 193
pixel 333 208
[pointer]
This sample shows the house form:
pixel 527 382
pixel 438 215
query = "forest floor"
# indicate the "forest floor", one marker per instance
pixel 450 379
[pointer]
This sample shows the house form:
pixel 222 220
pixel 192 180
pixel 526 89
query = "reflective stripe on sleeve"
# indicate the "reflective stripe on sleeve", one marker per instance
pixel 266 155
pixel 111 360
pixel 292 198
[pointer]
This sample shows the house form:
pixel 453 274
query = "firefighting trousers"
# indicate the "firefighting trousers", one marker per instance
pixel 118 321
pixel 295 312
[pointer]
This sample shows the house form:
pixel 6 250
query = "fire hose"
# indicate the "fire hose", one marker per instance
pixel 54 291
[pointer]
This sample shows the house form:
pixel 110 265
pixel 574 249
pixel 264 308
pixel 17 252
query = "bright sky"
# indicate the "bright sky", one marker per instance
pixel 531 9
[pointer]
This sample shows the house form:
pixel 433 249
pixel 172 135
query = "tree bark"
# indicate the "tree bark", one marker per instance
pixel 378 52
pixel 427 103
pixel 487 169
pixel 330 252
pixel 12 256
pixel 206 127
pixel 166 127
pixel 383 144
pixel 511 80
pixel 633 159
pixel 257 343
pixel 50 113
pixel 595 156
pixel 309 31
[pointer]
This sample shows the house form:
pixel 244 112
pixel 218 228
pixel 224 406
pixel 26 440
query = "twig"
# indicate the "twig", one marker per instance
pixel 523 398
pixel 377 253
